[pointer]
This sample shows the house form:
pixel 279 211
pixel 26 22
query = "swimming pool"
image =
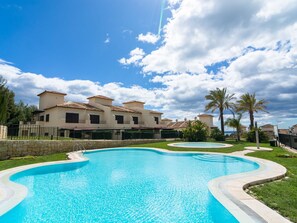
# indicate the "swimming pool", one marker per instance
pixel 200 145
pixel 126 185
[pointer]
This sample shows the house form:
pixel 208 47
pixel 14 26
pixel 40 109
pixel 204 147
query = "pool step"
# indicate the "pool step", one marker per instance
pixel 216 158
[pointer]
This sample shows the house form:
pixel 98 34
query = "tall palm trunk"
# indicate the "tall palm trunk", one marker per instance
pixel 251 119
pixel 222 121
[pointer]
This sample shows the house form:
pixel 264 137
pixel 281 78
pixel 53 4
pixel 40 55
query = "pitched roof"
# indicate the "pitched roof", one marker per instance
pixel 267 126
pixel 178 124
pixel 51 92
pixel 101 97
pixel 205 115
pixel 123 109
pixel 130 102
pixel 76 105
pixel 156 112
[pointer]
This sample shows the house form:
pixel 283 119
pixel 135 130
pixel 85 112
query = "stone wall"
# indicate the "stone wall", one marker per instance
pixel 3 132
pixel 17 148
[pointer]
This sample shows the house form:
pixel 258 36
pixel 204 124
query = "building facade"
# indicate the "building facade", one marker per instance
pixel 268 129
pixel 181 125
pixel 98 113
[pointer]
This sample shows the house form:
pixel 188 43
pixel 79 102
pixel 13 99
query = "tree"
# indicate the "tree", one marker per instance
pixel 21 112
pixel 249 103
pixel 196 131
pixel 219 100
pixel 3 100
pixel 235 123
pixel 10 112
pixel 217 135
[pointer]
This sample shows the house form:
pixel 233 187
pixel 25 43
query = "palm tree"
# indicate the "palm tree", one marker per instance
pixel 235 123
pixel 219 99
pixel 249 103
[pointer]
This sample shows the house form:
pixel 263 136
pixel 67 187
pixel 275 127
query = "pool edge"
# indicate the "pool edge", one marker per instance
pixel 11 193
pixel 228 190
pixel 225 145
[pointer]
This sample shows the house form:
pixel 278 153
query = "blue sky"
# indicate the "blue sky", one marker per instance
pixel 113 48
pixel 67 38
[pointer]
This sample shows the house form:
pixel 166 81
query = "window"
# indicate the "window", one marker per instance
pixel 41 118
pixel 157 120
pixel 95 119
pixel 119 119
pixel 135 120
pixel 47 118
pixel 72 117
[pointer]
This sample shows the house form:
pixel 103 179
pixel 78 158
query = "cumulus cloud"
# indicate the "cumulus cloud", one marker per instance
pixel 180 95
pixel 148 38
pixel 257 41
pixel 136 56
pixel 202 33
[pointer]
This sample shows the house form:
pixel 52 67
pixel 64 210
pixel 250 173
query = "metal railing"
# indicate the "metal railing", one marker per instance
pixel 288 140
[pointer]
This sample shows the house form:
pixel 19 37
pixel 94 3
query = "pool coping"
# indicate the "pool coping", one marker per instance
pixel 228 190
pixel 224 145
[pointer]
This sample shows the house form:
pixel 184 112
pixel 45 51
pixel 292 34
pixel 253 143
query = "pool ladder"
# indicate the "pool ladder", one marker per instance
pixel 78 147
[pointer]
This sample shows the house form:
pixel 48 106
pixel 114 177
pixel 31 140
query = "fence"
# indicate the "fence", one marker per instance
pixel 165 134
pixel 37 132
pixel 288 140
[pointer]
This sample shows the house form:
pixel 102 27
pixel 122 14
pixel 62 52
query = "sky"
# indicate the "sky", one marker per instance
pixel 167 53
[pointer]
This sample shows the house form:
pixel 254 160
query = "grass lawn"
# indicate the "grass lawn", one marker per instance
pixel 19 161
pixel 279 195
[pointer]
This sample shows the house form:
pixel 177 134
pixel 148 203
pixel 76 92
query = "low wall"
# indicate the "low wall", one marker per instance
pixel 3 132
pixel 17 148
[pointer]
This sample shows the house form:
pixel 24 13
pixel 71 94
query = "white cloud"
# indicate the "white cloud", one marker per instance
pixel 202 33
pixel 136 56
pixel 180 95
pixel 148 38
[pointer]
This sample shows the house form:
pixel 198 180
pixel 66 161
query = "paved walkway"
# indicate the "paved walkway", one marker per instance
pixel 250 149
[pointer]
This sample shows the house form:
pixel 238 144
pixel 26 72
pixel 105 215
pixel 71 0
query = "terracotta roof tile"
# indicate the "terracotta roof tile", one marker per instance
pixel 52 92
pixel 155 112
pixel 123 109
pixel 76 105
pixel 101 97
pixel 129 102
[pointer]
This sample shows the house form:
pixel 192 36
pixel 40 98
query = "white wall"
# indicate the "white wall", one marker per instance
pixel 3 132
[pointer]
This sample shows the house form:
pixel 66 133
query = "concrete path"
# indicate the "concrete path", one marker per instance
pixel 250 149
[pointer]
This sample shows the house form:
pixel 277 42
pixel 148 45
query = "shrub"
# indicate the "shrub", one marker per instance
pixel 195 132
pixel 251 136
pixel 217 135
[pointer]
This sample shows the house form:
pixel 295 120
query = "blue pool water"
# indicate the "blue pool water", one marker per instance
pixel 126 185
pixel 199 145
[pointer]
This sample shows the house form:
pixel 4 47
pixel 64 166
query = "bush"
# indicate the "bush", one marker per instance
pixel 217 135
pixel 251 136
pixel 195 132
